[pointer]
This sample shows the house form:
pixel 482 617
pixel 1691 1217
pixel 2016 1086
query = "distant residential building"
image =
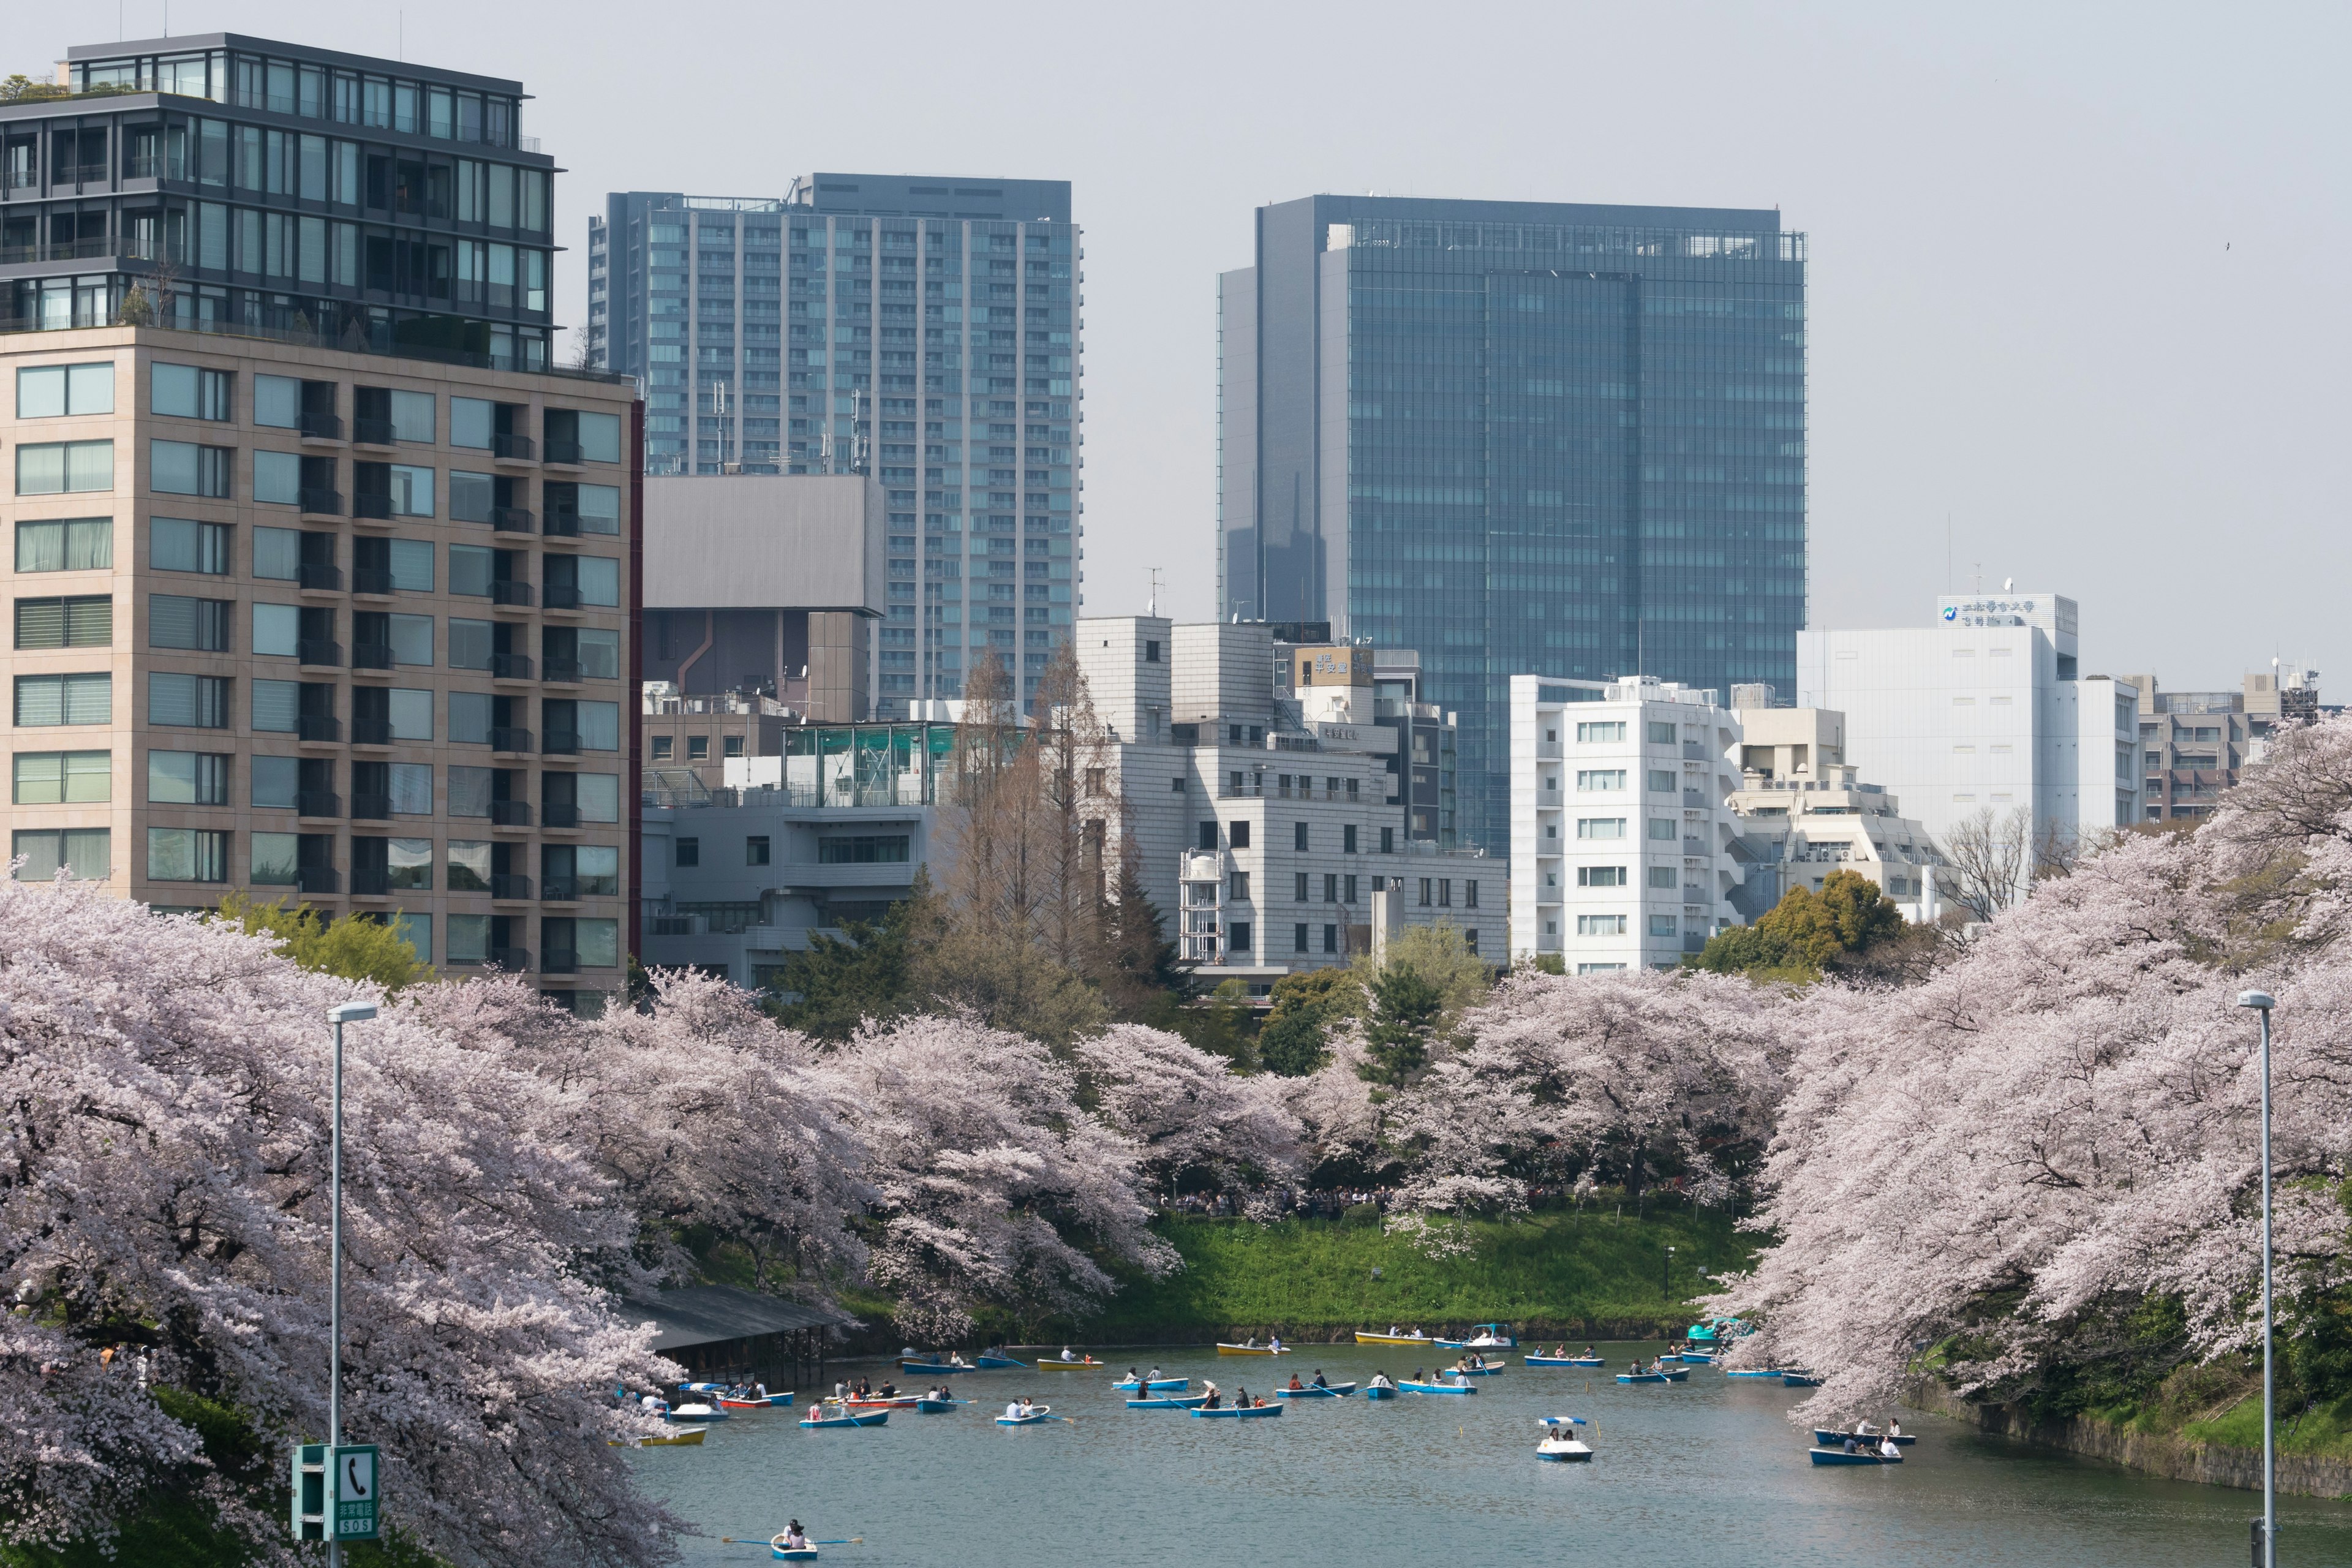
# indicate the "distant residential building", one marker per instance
pixel 1804 813
pixel 1983 709
pixel 2193 743
pixel 1356 689
pixel 1624 840
pixel 1553 437
pixel 923 330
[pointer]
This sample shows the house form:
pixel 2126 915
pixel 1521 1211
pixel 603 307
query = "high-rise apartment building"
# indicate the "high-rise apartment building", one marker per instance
pixel 1518 437
pixel 325 595
pixel 922 330
pixel 355 201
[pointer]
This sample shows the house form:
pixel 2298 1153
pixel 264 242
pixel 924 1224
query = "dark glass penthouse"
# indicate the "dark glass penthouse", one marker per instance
pixel 920 329
pixel 363 203
pixel 1520 437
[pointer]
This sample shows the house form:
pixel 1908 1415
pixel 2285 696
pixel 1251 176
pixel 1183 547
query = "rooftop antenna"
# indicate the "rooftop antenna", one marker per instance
pixel 1152 608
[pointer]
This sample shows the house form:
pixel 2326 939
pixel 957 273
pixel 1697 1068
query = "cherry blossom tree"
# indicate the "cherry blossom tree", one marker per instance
pixel 991 1181
pixel 1192 1118
pixel 163 1182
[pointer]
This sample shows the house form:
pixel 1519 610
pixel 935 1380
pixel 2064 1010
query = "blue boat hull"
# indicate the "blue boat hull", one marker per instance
pixel 1654 1377
pixel 1563 1361
pixel 1186 1403
pixel 1379 1393
pixel 991 1362
pixel 877 1418
pixel 1439 1387
pixel 1798 1380
pixel 934 1366
pixel 1478 1371
pixel 1240 1413
pixel 1178 1383
pixel 1329 1391
pixel 1840 1457
pixel 939 1406
pixel 1022 1420
pixel 1774 1374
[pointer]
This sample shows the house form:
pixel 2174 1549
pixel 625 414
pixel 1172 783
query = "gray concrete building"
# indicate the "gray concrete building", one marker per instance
pixel 2193 744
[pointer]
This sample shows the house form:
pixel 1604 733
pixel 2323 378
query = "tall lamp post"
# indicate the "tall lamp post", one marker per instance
pixel 348 1012
pixel 1666 1278
pixel 2263 1002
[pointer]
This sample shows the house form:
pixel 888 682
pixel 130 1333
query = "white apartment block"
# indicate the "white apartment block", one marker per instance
pixel 1622 837
pixel 1263 833
pixel 1982 709
pixel 1805 814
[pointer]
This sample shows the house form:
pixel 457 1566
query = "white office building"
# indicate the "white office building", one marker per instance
pixel 1983 709
pixel 1622 840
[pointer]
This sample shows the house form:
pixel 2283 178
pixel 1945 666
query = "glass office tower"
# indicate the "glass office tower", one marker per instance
pixel 922 329
pixel 1520 437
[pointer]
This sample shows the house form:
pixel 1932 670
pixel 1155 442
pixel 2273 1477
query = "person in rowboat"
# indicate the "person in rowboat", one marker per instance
pixel 1887 1449
pixel 1066 1356
pixel 1273 1341
pixel 1295 1382
pixel 1588 1351
pixel 794 1539
pixel 1319 1379
pixel 1895 1428
pixel 1379 1380
pixel 1215 1400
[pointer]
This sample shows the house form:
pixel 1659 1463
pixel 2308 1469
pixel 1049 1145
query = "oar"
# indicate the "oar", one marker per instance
pixel 769 1541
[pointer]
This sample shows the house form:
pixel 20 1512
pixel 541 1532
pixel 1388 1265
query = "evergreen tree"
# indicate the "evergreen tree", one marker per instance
pixel 829 990
pixel 1295 1039
pixel 1404 1009
pixel 355 946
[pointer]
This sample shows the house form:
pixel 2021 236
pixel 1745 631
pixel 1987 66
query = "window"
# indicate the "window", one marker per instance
pixel 1299 886
pixel 1600 827
pixel 1619 968
pixel 198 625
pixel 1664 830
pixel 184 469
pixel 1298 837
pixel 1600 876
pixel 755 849
pixel 411 711
pixel 187 778
pixel 1662 925
pixel 408 864
pixel 1348 839
pixel 599 581
pixel 412 639
pixel 1424 892
pixel 1662 782
pixel 1661 732
pixel 412 789
pixel 276 630
pixel 1240 886
pixel 1601 778
pixel 1445 892
pixel 600 726
pixel 1237 936
pixel 599 797
pixel 1331 887
pixel 63 778
pixel 471 496
pixel 277 860
pixel 277 553
pixel 47 390
pixel 1240 835
pixel 734 745
pixel 1470 895
pixel 1330 939
pixel 412 490
pixel 43 699
pixel 471 420
pixel 469 938
pixel 85 854
pixel 277 479
pixel 662 743
pixel 186 392
pixel 1387 840
pixel 1348 890
pixel 176 544
pixel 697 748
pixel 470 569
pixel 468 866
pixel 469 718
pixel 1601 925
pixel 274 782
pixel 1591 732
pixel 1664 877
pixel 412 416
pixel 1298 932
pixel 471 792
pixel 63 468
pixel 76 545
pixel 187 855
pixel 1208 836
pixel 190 702
pixel 689 851
pixel 278 402
pixel 597 943
pixel 82 622
pixel 879 849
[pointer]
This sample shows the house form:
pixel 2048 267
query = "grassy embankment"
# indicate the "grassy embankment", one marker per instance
pixel 2224 1408
pixel 1582 1274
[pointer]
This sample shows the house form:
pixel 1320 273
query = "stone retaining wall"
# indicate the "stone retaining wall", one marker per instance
pixel 2173 1459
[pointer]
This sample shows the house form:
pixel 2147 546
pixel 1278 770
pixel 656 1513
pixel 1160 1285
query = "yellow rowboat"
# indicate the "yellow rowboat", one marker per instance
pixel 1363 1338
pixel 1042 1364
pixel 691 1437
pixel 1223 1349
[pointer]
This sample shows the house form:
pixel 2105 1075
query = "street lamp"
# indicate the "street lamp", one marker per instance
pixel 2263 1002
pixel 347 1013
pixel 1666 1278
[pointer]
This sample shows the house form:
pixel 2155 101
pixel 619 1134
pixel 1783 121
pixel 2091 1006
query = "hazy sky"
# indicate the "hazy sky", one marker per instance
pixel 2077 271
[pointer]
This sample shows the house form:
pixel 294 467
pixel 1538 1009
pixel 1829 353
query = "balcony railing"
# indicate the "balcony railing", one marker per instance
pixel 317 879
pixel 510 958
pixel 561 525
pixel 371 882
pixel 561 743
pixel 371 580
pixel 319 727
pixel 371 807
pixel 510 519
pixel 323 502
pixel 372 433
pixel 320 652
pixel 562 672
pixel 559 890
pixel 510 813
pixel 560 960
pixel 316 803
pixel 509 667
pixel 371 731
pixel 371 655
pixel 506 738
pixel 377 507
pixel 555 816
pixel 317 577
pixel 565 452
pixel 62 250
pixel 321 427
pixel 508 591
pixel 514 449
pixel 562 596
pixel 508 887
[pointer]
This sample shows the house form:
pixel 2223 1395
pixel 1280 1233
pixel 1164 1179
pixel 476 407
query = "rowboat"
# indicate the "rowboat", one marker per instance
pixel 693 1412
pixel 1364 1338
pixel 1800 1380
pixel 1561 1442
pixel 987 1362
pixel 1223 1349
pixel 1047 1364
pixel 896 1402
pixel 1654 1377
pixel 1439 1387
pixel 1317 1390
pixel 793 1553
pixel 1562 1359
pixel 1376 1391
pixel 847 1418
pixel 1170 1402
pixel 939 1406
pixel 1128 1384
pixel 1497 1336
pixel 959 1364
pixel 1239 1411
pixel 772 1402
pixel 690 1438
pixel 1042 1412
pixel 1774 1372
pixel 1697 1358
pixel 1476 1370
pixel 1840 1457
pixel 1828 1439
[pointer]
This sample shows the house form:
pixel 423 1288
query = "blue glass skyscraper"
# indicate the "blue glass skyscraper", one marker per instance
pixel 1521 438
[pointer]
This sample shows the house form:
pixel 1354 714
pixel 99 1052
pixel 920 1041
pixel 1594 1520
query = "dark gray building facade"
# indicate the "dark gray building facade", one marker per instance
pixel 921 330
pixel 1518 437
pixel 258 185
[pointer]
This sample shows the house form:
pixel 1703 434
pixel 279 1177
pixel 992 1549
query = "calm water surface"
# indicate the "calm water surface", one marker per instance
pixel 1706 1474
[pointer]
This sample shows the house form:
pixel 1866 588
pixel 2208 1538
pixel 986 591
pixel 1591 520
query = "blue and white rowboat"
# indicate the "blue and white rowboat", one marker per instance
pixel 1317 1390
pixel 1170 1402
pixel 1840 1457
pixel 1126 1385
pixel 990 1363
pixel 1562 1361
pixel 1772 1372
pixel 1237 1411
pixel 1379 1392
pixel 1042 1412
pixel 1439 1387
pixel 1677 1376
pixel 852 1418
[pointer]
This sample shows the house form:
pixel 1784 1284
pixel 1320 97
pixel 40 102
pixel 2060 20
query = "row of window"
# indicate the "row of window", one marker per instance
pixel 1662 829
pixel 381 640
pixel 855 849
pixel 1663 877
pixel 290 784
pixel 1300 938
pixel 1603 731
pixel 380 715
pixel 291 478
pixel 1661 780
pixel 1237 834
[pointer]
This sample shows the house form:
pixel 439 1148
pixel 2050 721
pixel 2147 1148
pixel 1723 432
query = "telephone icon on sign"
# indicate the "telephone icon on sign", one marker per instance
pixel 358 1480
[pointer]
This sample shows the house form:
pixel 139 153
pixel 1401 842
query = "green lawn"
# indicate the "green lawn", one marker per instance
pixel 1561 1273
pixel 2325 1430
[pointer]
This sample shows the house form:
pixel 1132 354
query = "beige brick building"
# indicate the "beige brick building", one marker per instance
pixel 348 628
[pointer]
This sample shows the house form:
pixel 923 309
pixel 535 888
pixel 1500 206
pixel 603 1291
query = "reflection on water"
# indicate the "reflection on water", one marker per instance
pixel 1705 1473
